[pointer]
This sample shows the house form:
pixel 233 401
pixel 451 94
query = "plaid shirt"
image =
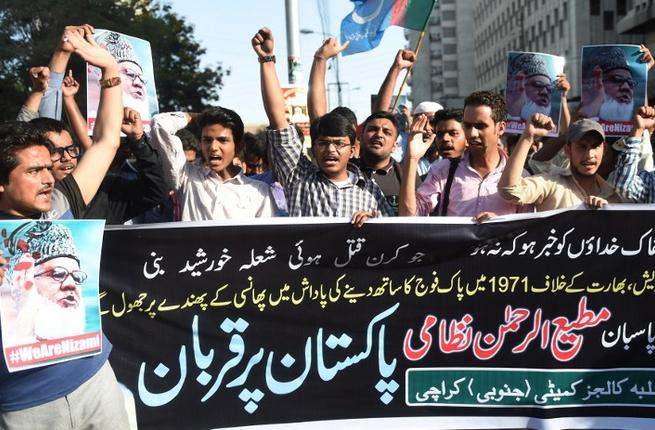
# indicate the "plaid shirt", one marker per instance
pixel 631 184
pixel 309 192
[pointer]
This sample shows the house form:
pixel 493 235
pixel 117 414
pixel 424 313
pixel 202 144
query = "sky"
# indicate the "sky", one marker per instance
pixel 225 29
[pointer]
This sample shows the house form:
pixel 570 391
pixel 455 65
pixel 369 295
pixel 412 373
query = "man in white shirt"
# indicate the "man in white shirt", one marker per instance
pixel 213 188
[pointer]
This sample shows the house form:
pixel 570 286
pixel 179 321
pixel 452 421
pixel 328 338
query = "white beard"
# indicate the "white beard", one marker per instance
pixel 613 110
pixel 531 107
pixel 141 106
pixel 52 321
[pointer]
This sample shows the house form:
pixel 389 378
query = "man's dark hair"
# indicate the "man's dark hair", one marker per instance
pixel 488 98
pixel 225 117
pixel 447 114
pixel 332 125
pixel 385 115
pixel 255 146
pixel 188 139
pixel 346 113
pixel 16 136
pixel 46 125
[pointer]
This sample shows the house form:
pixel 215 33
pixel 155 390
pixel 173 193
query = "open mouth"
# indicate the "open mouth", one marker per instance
pixel 138 94
pixel 330 161
pixel 67 168
pixel 45 193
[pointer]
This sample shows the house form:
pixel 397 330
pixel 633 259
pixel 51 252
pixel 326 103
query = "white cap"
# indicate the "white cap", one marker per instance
pixel 430 107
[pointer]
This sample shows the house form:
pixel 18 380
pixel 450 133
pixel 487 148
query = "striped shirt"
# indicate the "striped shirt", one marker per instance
pixel 630 183
pixel 309 192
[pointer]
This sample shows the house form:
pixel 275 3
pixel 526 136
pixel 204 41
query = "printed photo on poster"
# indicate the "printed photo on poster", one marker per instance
pixel 531 89
pixel 295 100
pixel 49 303
pixel 137 75
pixel 613 85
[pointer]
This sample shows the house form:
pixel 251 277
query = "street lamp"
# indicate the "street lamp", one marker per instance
pixel 336 64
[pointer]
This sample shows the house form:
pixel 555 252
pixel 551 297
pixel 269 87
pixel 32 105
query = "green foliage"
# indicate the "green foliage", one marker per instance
pixel 30 30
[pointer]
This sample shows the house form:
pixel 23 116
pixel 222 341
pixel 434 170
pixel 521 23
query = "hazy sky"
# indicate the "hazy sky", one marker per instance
pixel 225 28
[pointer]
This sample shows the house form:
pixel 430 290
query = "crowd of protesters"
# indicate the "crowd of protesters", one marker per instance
pixel 204 166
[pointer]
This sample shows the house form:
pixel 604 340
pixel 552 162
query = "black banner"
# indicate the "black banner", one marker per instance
pixel 544 318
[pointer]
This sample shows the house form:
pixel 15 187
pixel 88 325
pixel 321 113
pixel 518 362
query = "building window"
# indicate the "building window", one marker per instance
pixel 594 7
pixel 608 20
pixel 450 49
pixel 449 32
pixel 450 66
pixel 621 7
pixel 448 15
pixel 561 29
pixel 565 11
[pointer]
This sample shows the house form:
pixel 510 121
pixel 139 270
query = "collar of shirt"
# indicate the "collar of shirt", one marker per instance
pixel 209 173
pixel 465 161
pixel 605 190
pixel 383 171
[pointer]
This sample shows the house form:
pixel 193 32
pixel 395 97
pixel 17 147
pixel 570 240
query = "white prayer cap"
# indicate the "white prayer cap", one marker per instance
pixel 429 107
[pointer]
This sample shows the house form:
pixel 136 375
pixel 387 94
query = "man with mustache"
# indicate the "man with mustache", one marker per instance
pixel 332 187
pixel 529 90
pixel 608 86
pixel 85 388
pixel 584 147
pixel 474 180
pixel 43 254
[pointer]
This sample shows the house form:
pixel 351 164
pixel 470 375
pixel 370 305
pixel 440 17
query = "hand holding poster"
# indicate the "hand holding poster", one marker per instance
pixel 49 304
pixel 613 85
pixel 136 72
pixel 531 89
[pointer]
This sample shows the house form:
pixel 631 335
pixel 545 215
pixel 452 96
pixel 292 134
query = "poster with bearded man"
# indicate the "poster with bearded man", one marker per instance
pixel 531 78
pixel 613 85
pixel 49 303
pixel 134 59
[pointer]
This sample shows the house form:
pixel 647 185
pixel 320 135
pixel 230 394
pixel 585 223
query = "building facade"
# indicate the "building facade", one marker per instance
pixel 466 46
pixel 640 20
pixel 444 71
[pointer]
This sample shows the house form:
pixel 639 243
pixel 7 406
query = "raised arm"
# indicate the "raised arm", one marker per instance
pixel 416 148
pixel 93 166
pixel 150 188
pixel 405 59
pixel 69 89
pixel 551 146
pixel 629 182
pixel 316 99
pixel 538 125
pixel 39 77
pixel 51 105
pixel 263 45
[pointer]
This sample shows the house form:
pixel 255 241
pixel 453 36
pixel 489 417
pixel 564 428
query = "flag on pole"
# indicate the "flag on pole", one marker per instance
pixel 365 25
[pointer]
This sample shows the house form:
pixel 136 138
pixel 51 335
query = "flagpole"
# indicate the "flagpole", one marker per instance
pixel 409 69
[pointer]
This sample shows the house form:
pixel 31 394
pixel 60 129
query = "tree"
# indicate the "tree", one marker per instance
pixel 29 32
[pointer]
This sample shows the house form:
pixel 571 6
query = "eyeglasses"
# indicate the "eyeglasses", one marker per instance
pixel 618 80
pixel 338 144
pixel 73 151
pixel 540 87
pixel 60 274
pixel 134 76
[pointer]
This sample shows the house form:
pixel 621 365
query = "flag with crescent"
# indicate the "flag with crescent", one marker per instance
pixel 365 25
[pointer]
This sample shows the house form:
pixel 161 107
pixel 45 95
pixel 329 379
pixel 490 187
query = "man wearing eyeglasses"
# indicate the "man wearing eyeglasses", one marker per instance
pixel 65 152
pixel 81 392
pixel 529 88
pixel 607 84
pixel 332 187
pixel 43 255
pixel 133 81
